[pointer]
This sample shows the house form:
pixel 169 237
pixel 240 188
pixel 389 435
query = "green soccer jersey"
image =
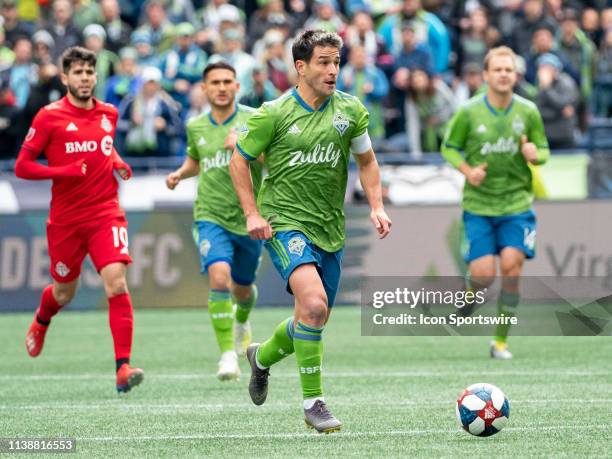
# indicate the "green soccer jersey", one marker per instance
pixel 487 135
pixel 306 155
pixel 217 201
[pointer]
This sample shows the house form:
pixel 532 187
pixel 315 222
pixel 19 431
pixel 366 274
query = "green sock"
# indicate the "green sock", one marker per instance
pixel 506 306
pixel 222 318
pixel 279 346
pixel 243 308
pixel 309 354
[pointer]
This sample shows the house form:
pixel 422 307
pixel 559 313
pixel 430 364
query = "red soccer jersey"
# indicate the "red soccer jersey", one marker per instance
pixel 67 134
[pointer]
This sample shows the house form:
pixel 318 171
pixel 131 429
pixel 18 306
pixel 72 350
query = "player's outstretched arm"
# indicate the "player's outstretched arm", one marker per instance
pixel 26 167
pixel 189 168
pixel 257 226
pixel 122 168
pixel 369 174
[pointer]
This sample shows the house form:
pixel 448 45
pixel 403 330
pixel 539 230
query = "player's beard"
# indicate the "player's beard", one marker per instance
pixel 75 93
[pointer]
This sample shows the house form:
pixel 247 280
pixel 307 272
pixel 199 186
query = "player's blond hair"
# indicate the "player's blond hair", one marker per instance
pixel 499 51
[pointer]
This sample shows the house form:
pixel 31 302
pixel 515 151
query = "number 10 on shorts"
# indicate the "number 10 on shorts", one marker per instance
pixel 120 238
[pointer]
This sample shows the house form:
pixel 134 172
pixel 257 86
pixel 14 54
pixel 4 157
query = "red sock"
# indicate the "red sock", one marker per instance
pixel 48 306
pixel 121 320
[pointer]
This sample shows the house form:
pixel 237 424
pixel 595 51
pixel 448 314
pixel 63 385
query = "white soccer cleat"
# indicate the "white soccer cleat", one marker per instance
pixel 229 370
pixel 242 336
pixel 500 351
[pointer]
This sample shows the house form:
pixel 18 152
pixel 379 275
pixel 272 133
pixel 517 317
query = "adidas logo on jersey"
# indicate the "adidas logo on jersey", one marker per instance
pixel 72 127
pixel 294 130
pixel 481 129
pixel 201 141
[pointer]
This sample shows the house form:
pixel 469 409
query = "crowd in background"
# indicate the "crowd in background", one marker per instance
pixel 411 62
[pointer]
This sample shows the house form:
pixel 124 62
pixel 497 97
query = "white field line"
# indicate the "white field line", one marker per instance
pixel 338 436
pixel 331 374
pixel 144 407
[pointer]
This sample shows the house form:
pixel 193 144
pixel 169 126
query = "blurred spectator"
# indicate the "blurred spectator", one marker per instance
pixel 369 84
pixel 470 84
pixel 298 10
pixel 230 50
pixel 428 29
pixel 534 18
pixel 429 106
pixel 48 89
pixel 44 47
pixel 180 11
pixel 606 20
pixel 275 60
pixel 216 13
pixel 61 28
pixel 7 56
pixel 543 43
pixel 198 103
pixel 602 95
pixel 557 100
pixel 183 65
pixel 149 123
pixel 13 26
pixel 160 29
pixel 413 55
pixel 472 42
pixel 106 60
pixel 590 24
pixel 126 82
pixel 117 31
pixel 86 12
pixel 271 15
pixel 263 89
pixel 141 41
pixel 23 72
pixel 325 17
pixel 10 125
pixel 575 44
pixel 361 33
pixel 522 87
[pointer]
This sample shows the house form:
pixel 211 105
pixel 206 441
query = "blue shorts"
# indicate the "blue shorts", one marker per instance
pixel 290 249
pixel 489 235
pixel 215 244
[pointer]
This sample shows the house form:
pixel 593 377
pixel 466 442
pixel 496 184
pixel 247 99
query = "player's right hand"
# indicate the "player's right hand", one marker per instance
pixel 258 227
pixel 173 179
pixel 477 174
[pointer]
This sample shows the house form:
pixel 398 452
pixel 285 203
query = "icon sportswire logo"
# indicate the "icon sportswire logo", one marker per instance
pixel 318 155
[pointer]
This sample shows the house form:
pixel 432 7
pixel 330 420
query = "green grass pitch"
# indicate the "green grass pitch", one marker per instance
pixel 395 395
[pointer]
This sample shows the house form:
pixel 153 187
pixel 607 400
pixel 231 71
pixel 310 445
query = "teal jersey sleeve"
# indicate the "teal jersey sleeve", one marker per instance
pixel 258 134
pixel 455 138
pixel 536 135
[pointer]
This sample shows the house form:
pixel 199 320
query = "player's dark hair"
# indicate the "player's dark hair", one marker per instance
pixel 305 43
pixel 218 65
pixel 77 54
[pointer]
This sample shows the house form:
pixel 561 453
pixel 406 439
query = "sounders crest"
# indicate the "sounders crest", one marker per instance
pixel 341 122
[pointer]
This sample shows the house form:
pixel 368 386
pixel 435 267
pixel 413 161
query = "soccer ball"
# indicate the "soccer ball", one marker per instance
pixel 482 410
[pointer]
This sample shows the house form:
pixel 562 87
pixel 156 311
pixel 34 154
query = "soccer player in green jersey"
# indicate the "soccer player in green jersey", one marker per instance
pixel 307 136
pixel 227 253
pixel 500 134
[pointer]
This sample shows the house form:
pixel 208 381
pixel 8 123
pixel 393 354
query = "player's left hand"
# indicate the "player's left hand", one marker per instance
pixel 123 168
pixel 230 140
pixel 381 222
pixel 529 150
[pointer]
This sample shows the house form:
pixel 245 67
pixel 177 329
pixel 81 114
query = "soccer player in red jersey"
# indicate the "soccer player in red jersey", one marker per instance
pixel 76 135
